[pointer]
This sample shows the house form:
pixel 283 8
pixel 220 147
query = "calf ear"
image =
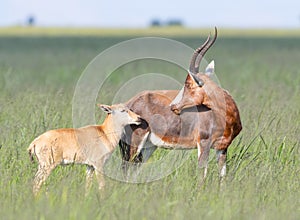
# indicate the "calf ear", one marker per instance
pixel 105 108
pixel 210 69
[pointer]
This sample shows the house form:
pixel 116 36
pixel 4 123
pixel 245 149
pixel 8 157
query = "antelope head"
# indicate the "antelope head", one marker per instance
pixel 197 85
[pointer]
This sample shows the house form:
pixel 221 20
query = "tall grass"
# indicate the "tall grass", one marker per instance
pixel 37 80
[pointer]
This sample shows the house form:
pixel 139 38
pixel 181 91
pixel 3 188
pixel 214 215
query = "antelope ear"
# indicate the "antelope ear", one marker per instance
pixel 105 108
pixel 196 79
pixel 210 69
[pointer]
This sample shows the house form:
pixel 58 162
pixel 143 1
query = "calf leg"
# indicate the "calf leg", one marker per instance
pixel 99 168
pixel 100 179
pixel 40 177
pixel 89 177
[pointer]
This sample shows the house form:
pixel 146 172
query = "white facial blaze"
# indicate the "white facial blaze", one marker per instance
pixel 177 98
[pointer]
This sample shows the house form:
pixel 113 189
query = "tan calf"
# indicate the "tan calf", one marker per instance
pixel 90 145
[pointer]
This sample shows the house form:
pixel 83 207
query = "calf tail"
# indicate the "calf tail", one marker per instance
pixel 31 151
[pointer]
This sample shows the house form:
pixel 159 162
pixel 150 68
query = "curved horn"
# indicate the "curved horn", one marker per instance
pixel 204 50
pixel 195 55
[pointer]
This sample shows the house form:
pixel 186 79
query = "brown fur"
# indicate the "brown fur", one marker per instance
pixel 206 117
pixel 227 118
pixel 211 124
pixel 218 100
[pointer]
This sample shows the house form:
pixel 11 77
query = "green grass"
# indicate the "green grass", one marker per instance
pixel 37 80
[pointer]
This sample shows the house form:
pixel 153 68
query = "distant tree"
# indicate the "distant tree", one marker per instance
pixel 31 20
pixel 174 22
pixel 155 23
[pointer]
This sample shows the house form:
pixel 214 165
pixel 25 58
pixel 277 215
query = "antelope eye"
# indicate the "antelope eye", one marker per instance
pixel 123 110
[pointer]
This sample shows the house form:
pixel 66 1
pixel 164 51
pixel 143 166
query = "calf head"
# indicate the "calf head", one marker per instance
pixel 121 114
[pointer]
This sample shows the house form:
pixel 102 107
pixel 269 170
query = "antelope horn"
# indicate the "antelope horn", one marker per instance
pixel 204 49
pixel 195 55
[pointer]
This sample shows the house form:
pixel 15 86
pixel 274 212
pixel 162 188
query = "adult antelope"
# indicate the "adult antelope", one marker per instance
pixel 206 117
pixel 90 145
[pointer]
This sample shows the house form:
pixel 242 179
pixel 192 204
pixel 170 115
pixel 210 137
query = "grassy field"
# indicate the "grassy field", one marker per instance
pixel 154 31
pixel 38 75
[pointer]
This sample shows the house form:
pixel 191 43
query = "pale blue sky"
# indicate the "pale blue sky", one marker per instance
pixel 135 13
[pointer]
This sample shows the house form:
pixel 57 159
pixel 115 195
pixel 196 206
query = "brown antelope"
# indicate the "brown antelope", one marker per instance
pixel 90 145
pixel 206 117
